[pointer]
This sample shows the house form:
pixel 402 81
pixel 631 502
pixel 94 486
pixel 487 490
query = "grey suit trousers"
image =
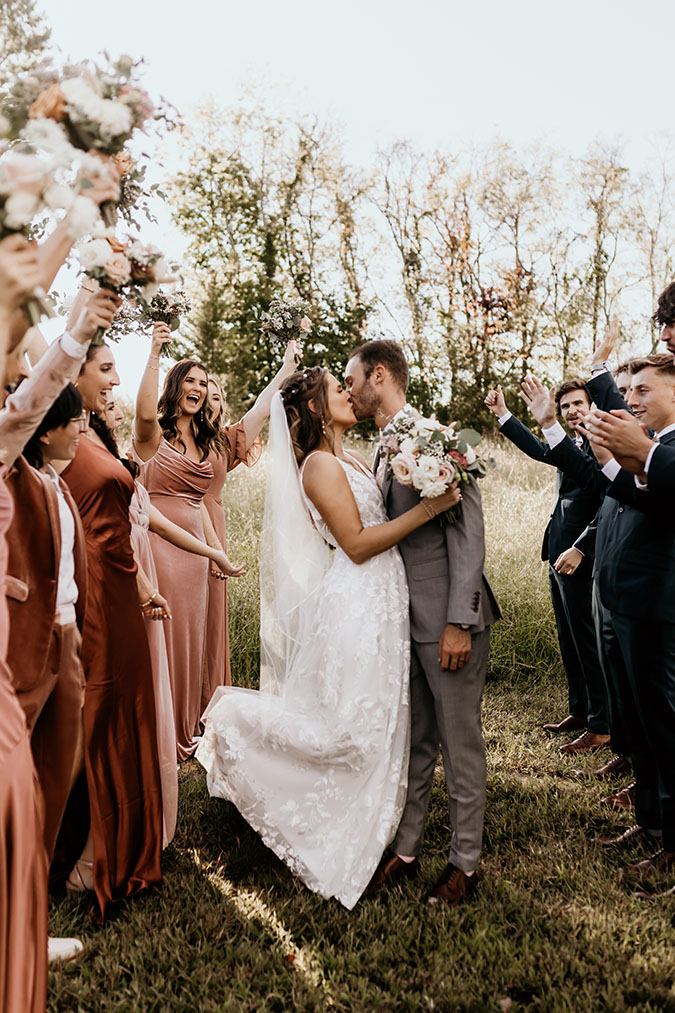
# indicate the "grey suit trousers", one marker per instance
pixel 445 708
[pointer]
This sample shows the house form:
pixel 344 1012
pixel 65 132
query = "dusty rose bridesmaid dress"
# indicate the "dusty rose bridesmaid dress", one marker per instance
pixel 217 651
pixel 177 487
pixel 23 860
pixel 139 512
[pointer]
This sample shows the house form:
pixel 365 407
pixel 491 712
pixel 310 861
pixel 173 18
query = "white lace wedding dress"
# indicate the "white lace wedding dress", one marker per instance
pixel 320 770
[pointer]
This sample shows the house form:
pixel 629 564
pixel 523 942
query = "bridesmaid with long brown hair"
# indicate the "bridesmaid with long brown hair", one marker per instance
pixel 175 442
pixel 217 649
pixel 122 791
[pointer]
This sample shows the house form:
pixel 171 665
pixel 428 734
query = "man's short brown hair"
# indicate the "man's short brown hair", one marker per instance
pixel 662 363
pixel 664 314
pixel 387 353
pixel 623 367
pixel 567 386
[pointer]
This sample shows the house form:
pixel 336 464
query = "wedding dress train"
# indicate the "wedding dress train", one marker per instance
pixel 319 767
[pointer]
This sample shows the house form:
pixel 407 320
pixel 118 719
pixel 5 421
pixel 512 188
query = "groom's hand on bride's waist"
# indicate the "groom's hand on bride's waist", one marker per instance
pixel 454 648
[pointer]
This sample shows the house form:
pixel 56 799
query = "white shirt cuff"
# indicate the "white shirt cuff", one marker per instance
pixel 611 469
pixel 505 418
pixel 599 371
pixel 73 348
pixel 649 458
pixel 554 435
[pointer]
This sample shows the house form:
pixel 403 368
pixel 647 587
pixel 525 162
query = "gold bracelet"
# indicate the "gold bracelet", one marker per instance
pixel 428 509
pixel 150 600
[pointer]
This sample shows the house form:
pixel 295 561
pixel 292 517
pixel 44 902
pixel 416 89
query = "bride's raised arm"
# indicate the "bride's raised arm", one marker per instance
pixel 255 418
pixel 328 488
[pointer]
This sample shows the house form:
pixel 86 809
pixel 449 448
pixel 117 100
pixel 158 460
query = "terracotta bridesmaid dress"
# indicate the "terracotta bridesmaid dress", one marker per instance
pixel 177 487
pixel 120 731
pixel 23 860
pixel 217 651
pixel 139 512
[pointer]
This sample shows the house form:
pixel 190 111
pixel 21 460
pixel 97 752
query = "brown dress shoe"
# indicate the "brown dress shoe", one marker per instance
pixel 660 864
pixel 645 895
pixel 453 886
pixel 587 742
pixel 390 869
pixel 632 837
pixel 615 768
pixel 624 799
pixel 568 724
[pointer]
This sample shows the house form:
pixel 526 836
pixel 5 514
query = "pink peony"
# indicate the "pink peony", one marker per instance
pixel 118 270
pixel 402 467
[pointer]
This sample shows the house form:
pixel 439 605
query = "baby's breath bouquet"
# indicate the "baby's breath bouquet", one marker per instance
pixel 285 321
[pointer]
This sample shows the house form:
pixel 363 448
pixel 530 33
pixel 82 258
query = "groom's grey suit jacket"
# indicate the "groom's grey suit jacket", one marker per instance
pixel 444 565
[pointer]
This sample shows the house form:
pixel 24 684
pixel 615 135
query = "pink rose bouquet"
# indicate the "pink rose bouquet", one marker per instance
pixel 285 321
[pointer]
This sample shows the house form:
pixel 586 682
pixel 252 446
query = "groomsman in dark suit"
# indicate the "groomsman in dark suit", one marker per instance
pixel 568 545
pixel 636 579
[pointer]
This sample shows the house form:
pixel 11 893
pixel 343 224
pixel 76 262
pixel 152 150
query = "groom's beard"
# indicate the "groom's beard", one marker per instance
pixel 365 406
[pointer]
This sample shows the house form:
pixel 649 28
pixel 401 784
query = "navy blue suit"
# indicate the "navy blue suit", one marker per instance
pixel 635 571
pixel 571 594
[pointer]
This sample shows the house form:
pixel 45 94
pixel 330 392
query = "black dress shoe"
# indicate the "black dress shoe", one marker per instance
pixel 453 887
pixel 391 869
pixel 568 724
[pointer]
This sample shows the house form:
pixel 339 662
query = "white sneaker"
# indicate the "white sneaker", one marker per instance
pixel 63 949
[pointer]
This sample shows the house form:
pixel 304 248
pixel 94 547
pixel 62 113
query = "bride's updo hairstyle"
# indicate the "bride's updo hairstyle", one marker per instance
pixel 307 425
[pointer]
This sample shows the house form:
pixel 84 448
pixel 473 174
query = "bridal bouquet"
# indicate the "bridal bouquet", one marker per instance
pixel 427 456
pixel 285 321
pixel 26 189
pixel 94 109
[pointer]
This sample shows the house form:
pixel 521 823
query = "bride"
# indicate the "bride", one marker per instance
pixel 317 760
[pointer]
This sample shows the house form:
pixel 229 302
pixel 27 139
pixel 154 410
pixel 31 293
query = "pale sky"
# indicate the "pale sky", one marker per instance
pixel 440 74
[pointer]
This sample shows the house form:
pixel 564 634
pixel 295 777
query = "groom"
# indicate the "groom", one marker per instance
pixel 451 609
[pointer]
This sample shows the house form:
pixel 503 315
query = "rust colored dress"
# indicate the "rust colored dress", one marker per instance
pixel 177 487
pixel 217 651
pixel 23 861
pixel 120 733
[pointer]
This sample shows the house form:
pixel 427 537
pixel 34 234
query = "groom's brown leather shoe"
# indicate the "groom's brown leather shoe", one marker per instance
pixel 453 886
pixel 569 724
pixel 390 869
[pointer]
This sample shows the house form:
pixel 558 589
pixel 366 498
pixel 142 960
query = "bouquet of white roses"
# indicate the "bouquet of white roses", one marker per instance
pixel 134 270
pixel 27 188
pixel 427 456
pixel 285 321
pixel 95 109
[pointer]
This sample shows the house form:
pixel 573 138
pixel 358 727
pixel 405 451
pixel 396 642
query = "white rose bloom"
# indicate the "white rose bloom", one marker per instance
pixel 114 117
pixel 408 446
pixel 427 470
pixel 58 197
pixel 470 455
pixel 47 135
pixel 96 253
pixel 82 218
pixel 431 489
pixel 423 426
pixel 20 208
pixel 79 94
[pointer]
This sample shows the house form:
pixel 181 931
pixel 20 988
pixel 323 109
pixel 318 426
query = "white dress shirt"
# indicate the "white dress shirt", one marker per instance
pixel 66 591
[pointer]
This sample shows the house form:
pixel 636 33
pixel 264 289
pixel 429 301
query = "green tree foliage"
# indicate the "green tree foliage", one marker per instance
pixel 24 36
pixel 486 265
pixel 270 210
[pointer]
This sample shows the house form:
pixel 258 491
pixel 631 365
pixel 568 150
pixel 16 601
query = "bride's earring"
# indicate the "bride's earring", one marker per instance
pixel 323 425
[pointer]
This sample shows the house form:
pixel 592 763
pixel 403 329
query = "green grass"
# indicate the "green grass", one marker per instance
pixel 551 928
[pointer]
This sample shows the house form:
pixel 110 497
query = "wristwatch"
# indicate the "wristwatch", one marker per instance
pixel 600 367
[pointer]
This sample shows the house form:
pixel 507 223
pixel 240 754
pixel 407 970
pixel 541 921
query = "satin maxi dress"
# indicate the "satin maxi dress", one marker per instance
pixel 120 730
pixel 177 487
pixel 23 860
pixel 166 734
pixel 217 651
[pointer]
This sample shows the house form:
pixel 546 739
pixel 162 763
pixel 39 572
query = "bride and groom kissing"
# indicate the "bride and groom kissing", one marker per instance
pixel 375 624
